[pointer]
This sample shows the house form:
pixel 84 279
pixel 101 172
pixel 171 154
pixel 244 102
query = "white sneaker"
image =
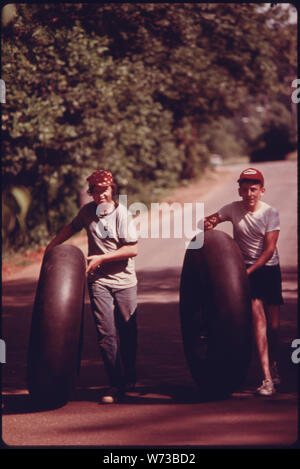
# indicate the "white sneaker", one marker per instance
pixel 266 388
pixel 111 395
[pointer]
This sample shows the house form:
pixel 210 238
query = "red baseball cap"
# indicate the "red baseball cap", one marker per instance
pixel 251 174
pixel 100 177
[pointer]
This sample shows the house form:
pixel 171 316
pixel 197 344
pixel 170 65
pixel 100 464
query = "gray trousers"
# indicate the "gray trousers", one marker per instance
pixel 115 317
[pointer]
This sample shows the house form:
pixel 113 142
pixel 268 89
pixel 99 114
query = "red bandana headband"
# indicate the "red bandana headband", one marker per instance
pixel 100 178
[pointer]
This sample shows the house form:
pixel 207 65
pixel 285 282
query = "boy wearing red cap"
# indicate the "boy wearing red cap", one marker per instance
pixel 256 229
pixel 112 282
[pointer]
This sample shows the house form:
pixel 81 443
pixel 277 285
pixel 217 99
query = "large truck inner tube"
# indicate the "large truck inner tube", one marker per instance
pixel 56 328
pixel 215 315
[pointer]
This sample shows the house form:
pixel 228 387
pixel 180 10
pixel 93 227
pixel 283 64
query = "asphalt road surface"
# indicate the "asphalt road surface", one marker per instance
pixel 166 410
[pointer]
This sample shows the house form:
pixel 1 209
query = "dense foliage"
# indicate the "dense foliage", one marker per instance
pixel 146 90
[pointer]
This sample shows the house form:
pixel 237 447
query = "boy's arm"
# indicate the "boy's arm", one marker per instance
pixel 211 221
pixel 270 242
pixel 62 236
pixel 124 252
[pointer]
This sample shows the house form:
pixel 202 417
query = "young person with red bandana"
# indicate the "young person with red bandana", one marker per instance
pixel 112 282
pixel 256 229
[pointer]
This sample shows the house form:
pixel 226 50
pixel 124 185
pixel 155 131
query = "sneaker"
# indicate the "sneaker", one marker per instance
pixel 111 395
pixel 275 374
pixel 266 388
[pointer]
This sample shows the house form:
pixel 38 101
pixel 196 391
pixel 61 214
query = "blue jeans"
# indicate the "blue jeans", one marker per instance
pixel 115 317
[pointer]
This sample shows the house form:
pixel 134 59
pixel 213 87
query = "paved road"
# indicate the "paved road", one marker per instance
pixel 166 411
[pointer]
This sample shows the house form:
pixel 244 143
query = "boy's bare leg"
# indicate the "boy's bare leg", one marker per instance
pixel 260 335
pixel 273 315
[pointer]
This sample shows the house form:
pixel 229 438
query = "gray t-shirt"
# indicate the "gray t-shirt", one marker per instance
pixel 105 234
pixel 250 228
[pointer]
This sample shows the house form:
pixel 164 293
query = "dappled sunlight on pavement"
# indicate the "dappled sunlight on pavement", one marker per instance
pixel 238 421
pixel 165 409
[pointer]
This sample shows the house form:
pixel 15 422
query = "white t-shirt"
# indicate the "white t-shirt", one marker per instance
pixel 106 234
pixel 249 228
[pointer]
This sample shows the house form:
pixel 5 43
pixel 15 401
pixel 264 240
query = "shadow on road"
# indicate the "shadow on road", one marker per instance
pixel 22 403
pixel 163 375
pixel 159 283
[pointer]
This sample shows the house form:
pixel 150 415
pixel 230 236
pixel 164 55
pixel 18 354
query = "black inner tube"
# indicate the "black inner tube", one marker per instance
pixel 56 328
pixel 215 314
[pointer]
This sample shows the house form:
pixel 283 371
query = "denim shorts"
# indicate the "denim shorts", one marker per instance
pixel 265 284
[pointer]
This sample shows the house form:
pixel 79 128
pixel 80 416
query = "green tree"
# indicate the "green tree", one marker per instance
pixel 136 88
